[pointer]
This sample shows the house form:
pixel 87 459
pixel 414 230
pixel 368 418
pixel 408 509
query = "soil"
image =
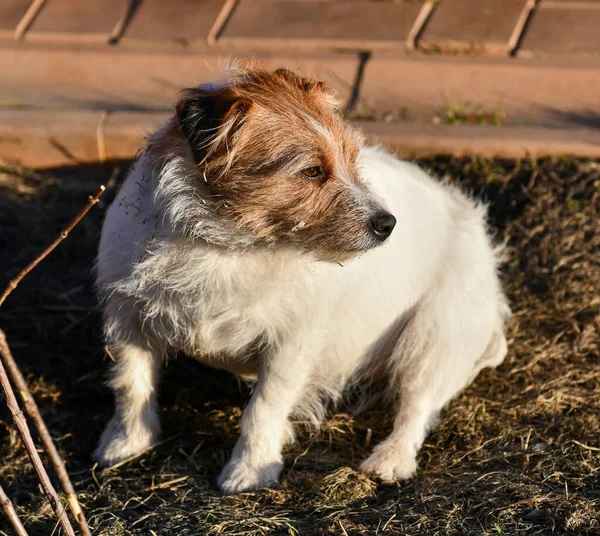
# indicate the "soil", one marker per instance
pixel 518 453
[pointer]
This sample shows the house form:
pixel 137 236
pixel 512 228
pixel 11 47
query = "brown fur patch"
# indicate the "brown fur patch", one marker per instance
pixel 253 136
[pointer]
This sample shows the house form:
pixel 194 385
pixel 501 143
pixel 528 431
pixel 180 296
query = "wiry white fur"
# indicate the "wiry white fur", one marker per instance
pixel 424 311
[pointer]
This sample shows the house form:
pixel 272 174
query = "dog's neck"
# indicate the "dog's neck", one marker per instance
pixel 181 194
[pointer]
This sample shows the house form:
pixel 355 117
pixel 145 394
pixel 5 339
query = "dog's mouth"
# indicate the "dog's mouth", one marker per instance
pixel 349 251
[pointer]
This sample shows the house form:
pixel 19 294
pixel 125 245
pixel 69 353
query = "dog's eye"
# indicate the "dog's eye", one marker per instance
pixel 312 172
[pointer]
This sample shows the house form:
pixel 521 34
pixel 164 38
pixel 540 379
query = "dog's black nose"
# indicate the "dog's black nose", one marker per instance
pixel 383 224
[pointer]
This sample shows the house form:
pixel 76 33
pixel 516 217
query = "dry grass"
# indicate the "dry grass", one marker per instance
pixel 517 453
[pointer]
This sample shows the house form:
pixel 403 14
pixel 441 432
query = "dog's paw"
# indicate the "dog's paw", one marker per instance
pixel 239 476
pixel 390 464
pixel 116 445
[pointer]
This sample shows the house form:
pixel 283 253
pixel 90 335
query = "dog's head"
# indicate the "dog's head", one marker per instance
pixel 278 162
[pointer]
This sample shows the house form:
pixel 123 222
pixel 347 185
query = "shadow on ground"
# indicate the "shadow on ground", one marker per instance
pixel 515 454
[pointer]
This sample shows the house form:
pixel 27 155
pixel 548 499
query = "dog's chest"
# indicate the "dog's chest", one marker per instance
pixel 228 324
pixel 223 304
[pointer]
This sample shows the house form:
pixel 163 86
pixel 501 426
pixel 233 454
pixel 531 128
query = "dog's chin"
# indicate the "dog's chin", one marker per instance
pixel 344 255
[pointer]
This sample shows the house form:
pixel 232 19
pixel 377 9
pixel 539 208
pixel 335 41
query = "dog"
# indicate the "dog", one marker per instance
pixel 258 233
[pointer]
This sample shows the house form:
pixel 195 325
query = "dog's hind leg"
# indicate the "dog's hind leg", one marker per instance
pixel 135 425
pixel 438 354
pixel 493 356
pixel 395 457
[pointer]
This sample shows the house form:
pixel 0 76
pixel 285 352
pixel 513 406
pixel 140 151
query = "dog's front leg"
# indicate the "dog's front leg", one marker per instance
pixel 134 426
pixel 256 461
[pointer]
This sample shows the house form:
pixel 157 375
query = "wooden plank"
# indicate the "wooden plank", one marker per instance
pixel 42 139
pixel 175 21
pixel 467 26
pixel 310 23
pixel 114 78
pixel 563 28
pixel 77 21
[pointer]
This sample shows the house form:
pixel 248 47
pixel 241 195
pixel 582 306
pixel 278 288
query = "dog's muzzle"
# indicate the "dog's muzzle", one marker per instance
pixel 382 225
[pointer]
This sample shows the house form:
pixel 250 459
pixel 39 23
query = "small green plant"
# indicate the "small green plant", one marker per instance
pixel 459 111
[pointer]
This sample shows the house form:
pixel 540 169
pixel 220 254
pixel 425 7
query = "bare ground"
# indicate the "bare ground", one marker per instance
pixel 516 454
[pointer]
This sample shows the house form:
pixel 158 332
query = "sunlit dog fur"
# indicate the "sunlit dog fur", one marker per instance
pixel 253 233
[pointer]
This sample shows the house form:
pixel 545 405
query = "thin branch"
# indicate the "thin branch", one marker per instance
pixel 101 136
pixel 31 406
pixel 34 414
pixel 28 18
pixel 220 22
pixel 13 284
pixel 21 423
pixel 12 515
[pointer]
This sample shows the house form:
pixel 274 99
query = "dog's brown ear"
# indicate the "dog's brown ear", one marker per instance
pixel 209 118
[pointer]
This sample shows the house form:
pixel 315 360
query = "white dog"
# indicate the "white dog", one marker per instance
pixel 259 235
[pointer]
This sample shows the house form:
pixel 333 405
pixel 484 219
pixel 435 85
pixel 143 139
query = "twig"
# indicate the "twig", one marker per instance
pixel 123 22
pixel 31 406
pixel 583 446
pixel 417 27
pixel 10 512
pixel 34 414
pixel 167 484
pixel 221 21
pixel 520 26
pixel 101 136
pixel 28 18
pixel 21 423
pixel 13 284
